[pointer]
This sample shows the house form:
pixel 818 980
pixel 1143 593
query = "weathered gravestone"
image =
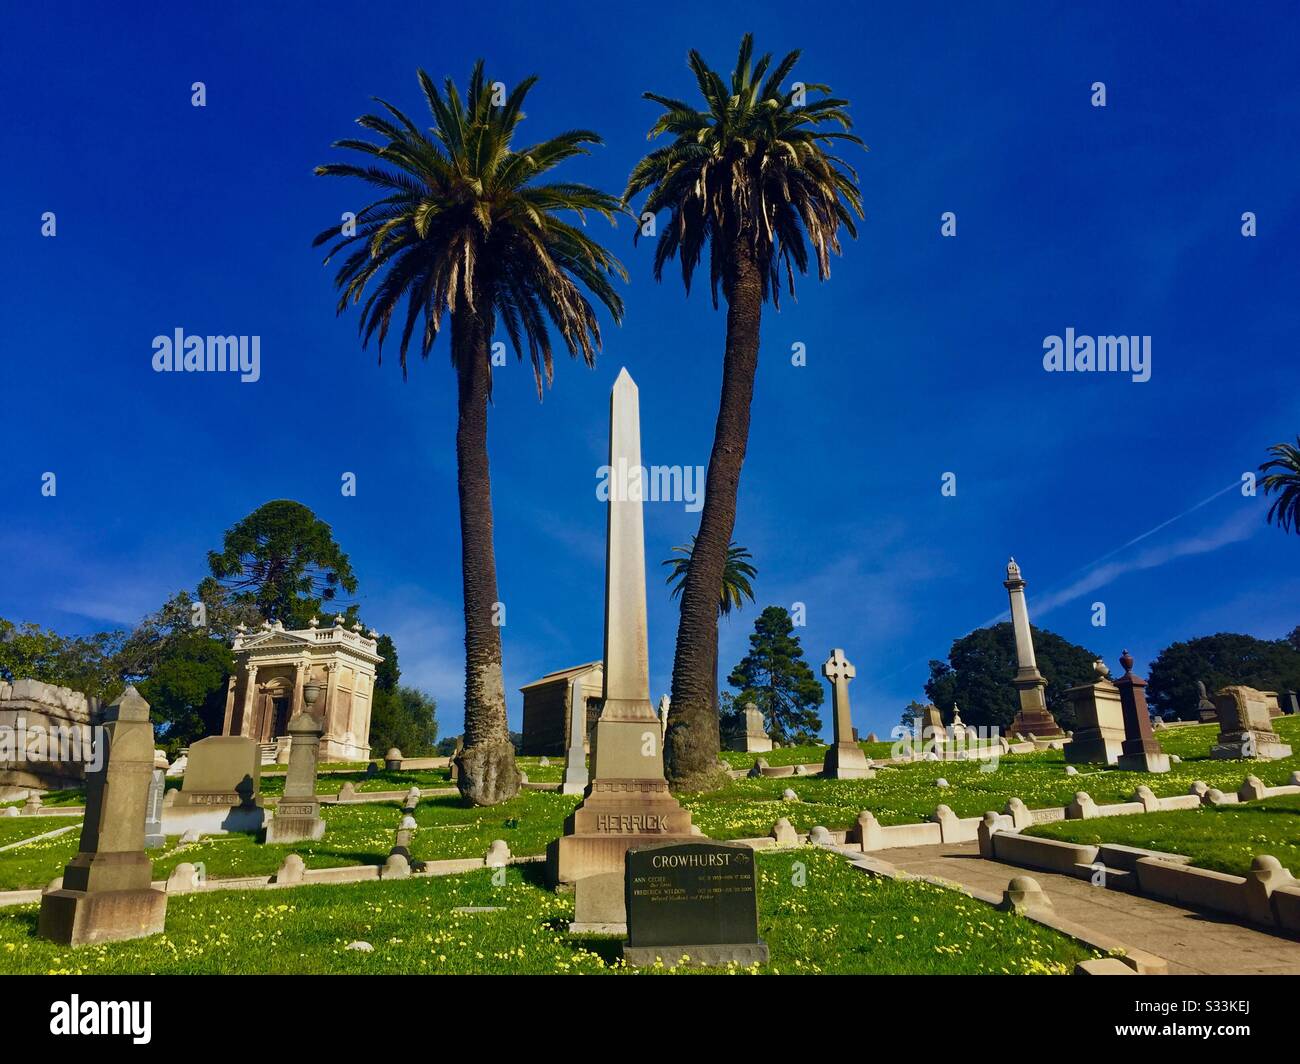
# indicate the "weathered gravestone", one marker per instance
pixel 153 816
pixel 694 899
pixel 297 817
pixel 105 895
pixel 1205 705
pixel 1245 728
pixel 933 733
pixel 753 737
pixel 222 788
pixel 1099 716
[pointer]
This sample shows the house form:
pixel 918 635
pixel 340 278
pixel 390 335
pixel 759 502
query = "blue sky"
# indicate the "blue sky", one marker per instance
pixel 924 352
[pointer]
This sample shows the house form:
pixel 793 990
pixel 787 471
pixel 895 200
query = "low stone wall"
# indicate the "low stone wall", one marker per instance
pixel 1268 897
pixel 46 720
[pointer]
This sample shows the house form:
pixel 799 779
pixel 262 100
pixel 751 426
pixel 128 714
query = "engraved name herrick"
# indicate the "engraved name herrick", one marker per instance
pixel 631 823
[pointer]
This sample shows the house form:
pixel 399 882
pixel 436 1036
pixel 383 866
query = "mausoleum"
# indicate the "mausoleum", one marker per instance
pixel 274 665
pixel 547 707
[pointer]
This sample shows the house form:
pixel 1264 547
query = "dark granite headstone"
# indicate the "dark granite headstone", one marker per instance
pixel 693 899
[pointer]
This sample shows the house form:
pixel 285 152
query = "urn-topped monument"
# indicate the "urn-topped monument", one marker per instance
pixel 1034 717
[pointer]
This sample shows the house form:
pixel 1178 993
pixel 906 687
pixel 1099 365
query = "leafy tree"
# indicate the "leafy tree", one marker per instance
pixel 83 663
pixel 981 666
pixel 404 718
pixel 186 688
pixel 1219 660
pixel 282 561
pixel 1283 478
pixel 912 711
pixel 464 229
pixel 775 677
pixel 750 175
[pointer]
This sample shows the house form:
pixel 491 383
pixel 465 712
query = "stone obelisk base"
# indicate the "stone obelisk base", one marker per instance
pixel 618 815
pixel 847 761
pixel 1034 718
pixel 77 916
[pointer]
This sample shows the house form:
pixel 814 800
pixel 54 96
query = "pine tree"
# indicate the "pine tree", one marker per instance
pixel 775 677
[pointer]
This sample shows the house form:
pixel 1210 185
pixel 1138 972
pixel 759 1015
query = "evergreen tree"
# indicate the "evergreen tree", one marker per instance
pixel 400 716
pixel 981 666
pixel 1217 661
pixel 775 677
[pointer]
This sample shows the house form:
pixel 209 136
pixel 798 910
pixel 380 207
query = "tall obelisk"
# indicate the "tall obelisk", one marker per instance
pixel 1034 717
pixel 627 803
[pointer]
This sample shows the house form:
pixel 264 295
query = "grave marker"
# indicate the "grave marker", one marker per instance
pixel 695 899
pixel 106 894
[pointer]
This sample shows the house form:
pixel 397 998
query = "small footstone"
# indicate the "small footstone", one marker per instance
pixel 819 836
pixel 1023 894
pixel 360 947
pixel 941 782
pixel 1070 770
pixel 789 795
pixel 784 833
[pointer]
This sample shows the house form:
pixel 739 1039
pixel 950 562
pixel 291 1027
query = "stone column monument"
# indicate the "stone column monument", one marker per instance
pixel 297 817
pixel 627 803
pixel 575 759
pixel 845 760
pixel 1140 752
pixel 106 894
pixel 1034 717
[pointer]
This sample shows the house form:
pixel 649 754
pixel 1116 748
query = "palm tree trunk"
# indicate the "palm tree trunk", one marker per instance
pixel 693 741
pixel 487 763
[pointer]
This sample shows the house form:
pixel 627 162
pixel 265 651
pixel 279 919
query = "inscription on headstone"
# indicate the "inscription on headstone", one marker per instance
pixel 694 899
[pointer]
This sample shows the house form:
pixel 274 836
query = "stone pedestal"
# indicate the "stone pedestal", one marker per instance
pixel 1245 728
pixel 297 817
pixel 1099 722
pixel 1034 718
pixel 627 804
pixel 106 894
pixel 845 759
pixel 1140 752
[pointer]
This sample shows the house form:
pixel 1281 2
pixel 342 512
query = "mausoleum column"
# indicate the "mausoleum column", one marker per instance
pixel 299 679
pixel 250 693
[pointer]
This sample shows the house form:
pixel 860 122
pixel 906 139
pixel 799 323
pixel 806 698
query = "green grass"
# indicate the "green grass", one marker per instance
pixel 355 834
pixel 839 921
pixel 14 828
pixel 1225 838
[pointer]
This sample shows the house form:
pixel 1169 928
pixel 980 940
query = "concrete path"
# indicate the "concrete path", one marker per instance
pixel 1193 943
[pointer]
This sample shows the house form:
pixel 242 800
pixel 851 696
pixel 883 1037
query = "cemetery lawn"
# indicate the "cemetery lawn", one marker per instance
pixel 16 828
pixel 746 808
pixel 355 835
pixel 1225 838
pixel 840 921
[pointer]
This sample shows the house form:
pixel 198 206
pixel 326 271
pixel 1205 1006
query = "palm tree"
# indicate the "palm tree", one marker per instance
pixel 736 575
pixel 753 176
pixel 464 230
pixel 1286 483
